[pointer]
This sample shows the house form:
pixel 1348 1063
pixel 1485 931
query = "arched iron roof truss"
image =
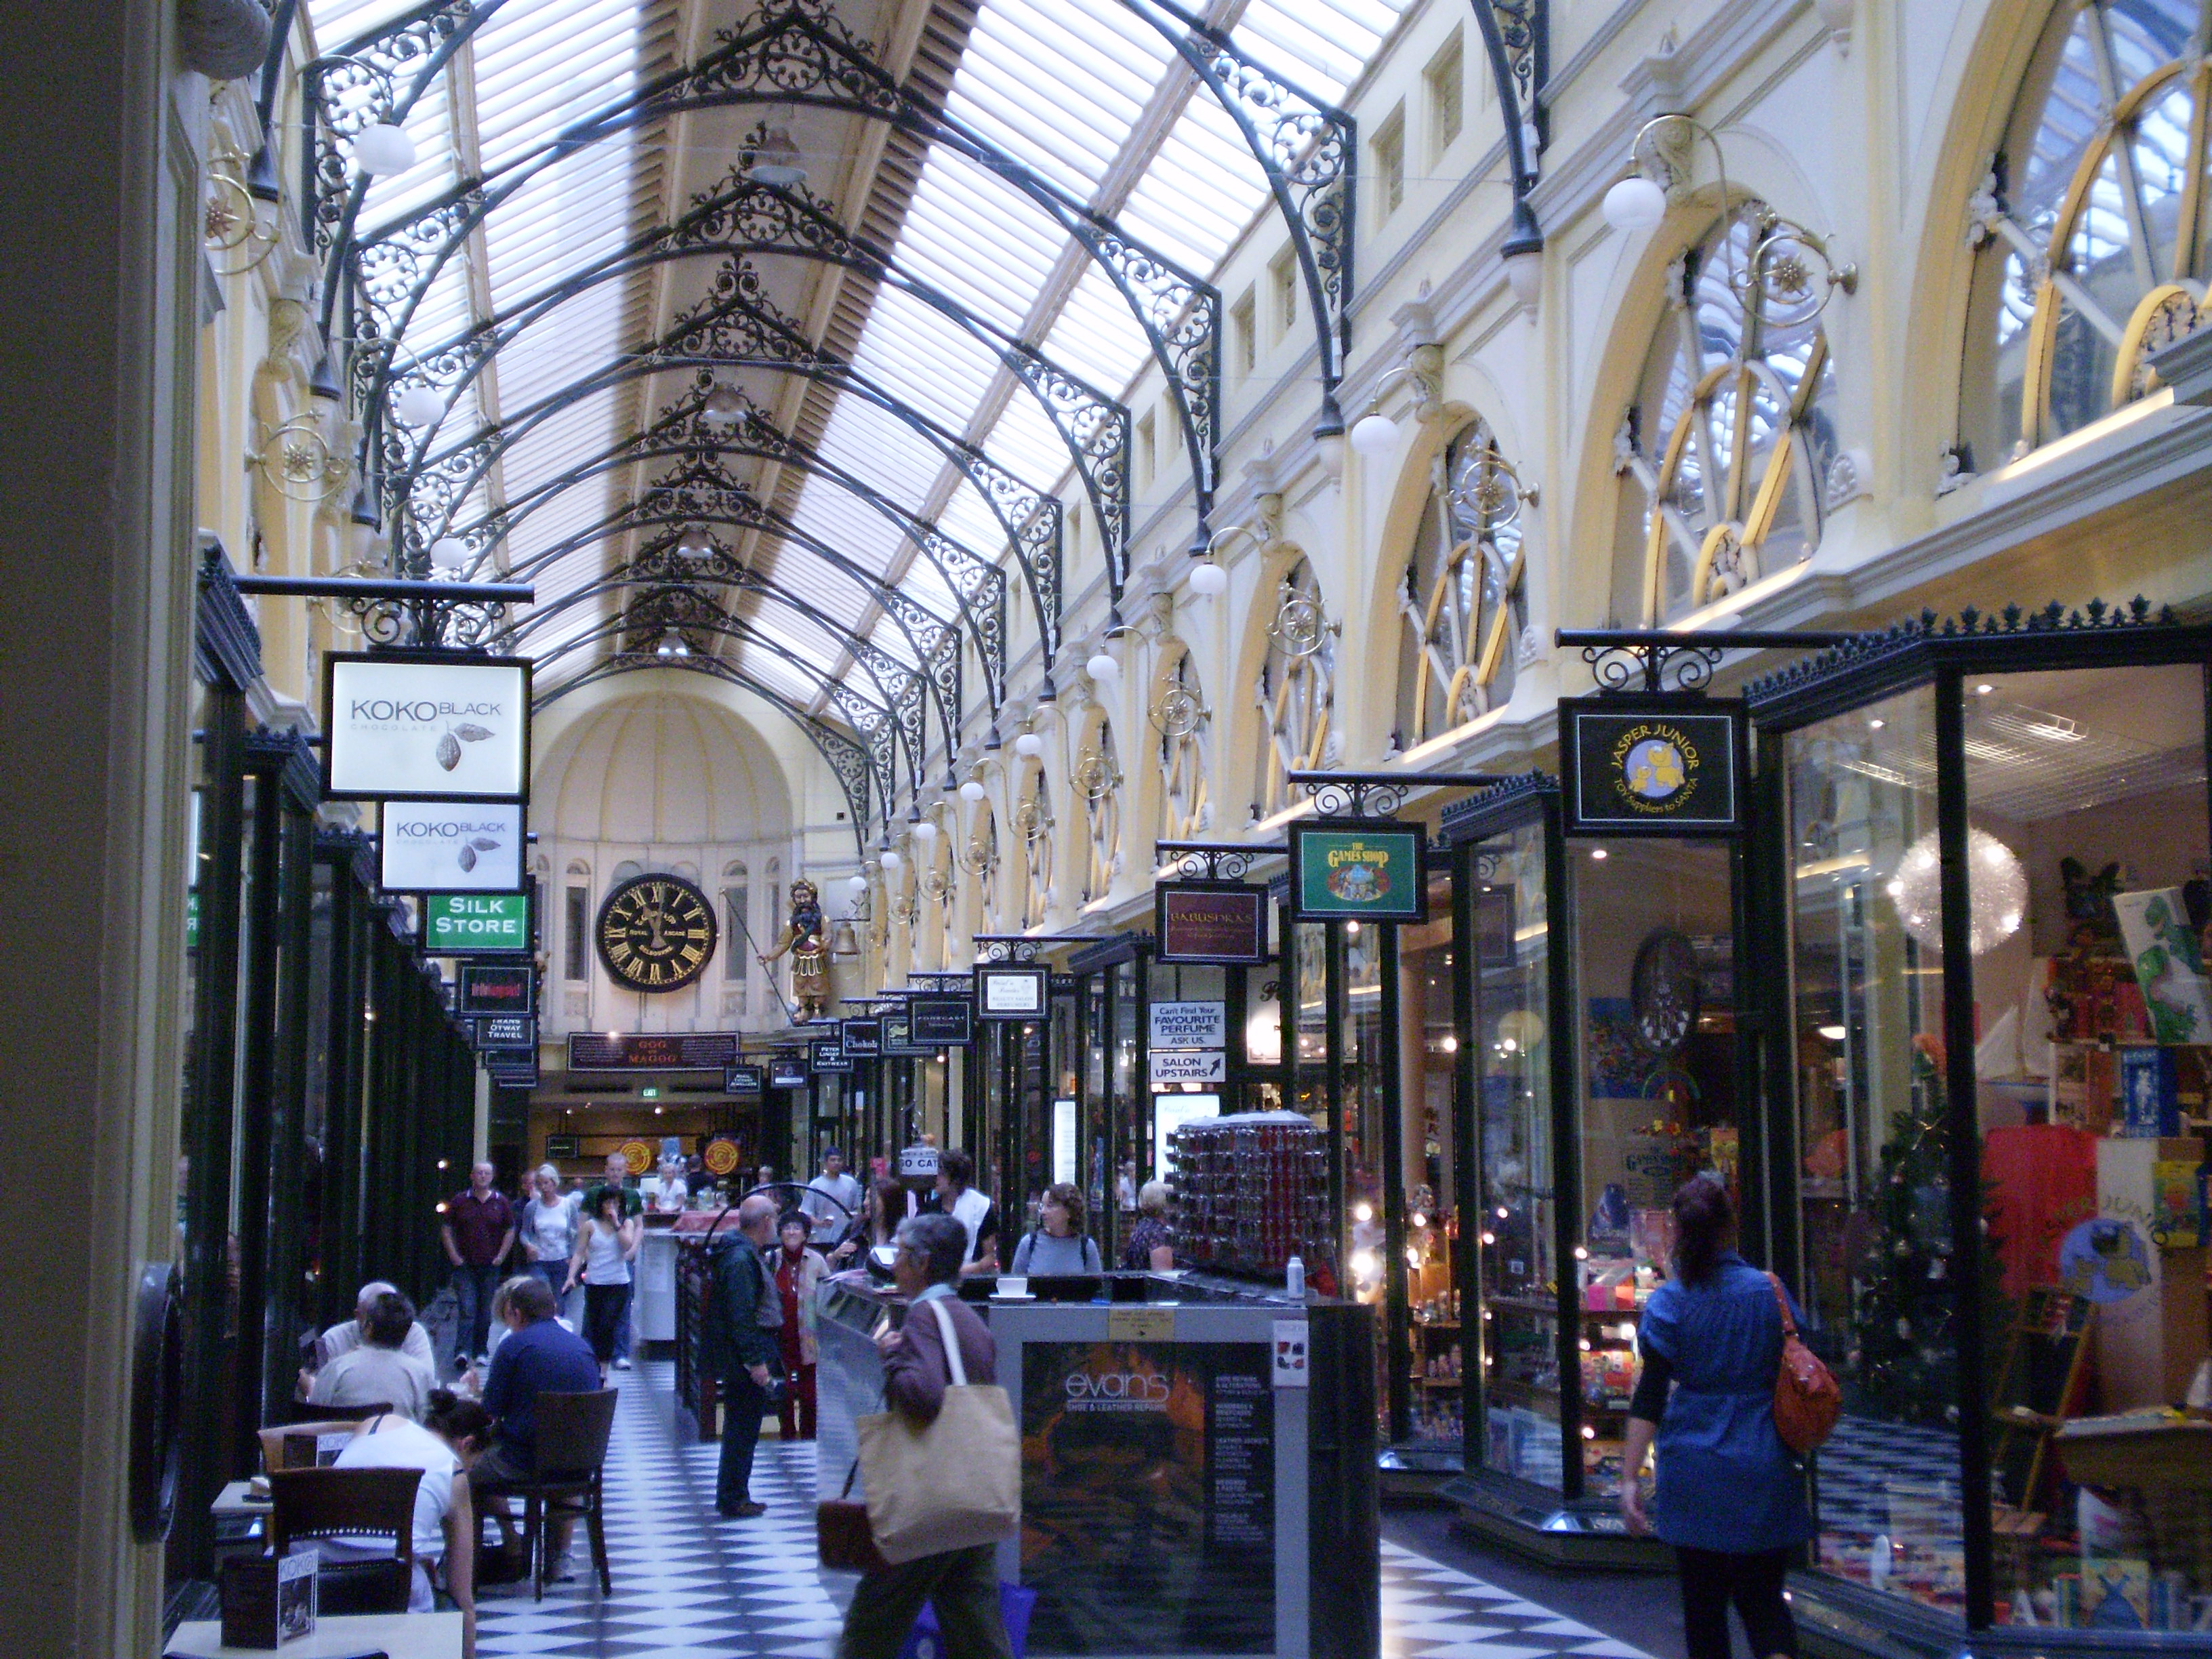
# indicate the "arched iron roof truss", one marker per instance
pixel 797 52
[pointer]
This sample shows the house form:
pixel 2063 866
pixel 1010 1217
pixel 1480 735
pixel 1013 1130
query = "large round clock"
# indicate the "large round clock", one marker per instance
pixel 656 932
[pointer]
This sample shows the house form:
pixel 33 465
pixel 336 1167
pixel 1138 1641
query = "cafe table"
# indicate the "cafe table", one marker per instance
pixel 399 1635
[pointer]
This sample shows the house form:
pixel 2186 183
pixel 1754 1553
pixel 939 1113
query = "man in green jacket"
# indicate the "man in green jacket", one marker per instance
pixel 737 1344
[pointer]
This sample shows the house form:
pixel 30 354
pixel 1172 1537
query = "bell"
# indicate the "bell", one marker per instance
pixel 843 941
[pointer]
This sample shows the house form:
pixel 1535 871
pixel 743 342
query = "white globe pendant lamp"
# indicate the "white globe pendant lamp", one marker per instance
pixel 1636 203
pixel 856 886
pixel 925 831
pixel 448 553
pixel 1103 667
pixel 891 859
pixel 1374 434
pixel 418 406
pixel 1029 745
pixel 1208 580
pixel 973 791
pixel 384 149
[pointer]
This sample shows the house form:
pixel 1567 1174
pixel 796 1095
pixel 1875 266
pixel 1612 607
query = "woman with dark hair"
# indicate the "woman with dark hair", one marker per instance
pixel 1731 1499
pixel 605 1246
pixel 799 1269
pixel 882 1209
pixel 444 1446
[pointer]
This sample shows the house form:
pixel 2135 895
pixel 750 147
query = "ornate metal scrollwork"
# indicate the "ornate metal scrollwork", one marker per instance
pixel 1096 777
pixel 1029 820
pixel 1352 795
pixel 1176 712
pixel 1618 667
pixel 298 461
pixel 238 230
pixel 1300 627
pixel 1199 860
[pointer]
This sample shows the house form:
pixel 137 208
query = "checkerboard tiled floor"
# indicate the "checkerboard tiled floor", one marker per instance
pixel 689 1585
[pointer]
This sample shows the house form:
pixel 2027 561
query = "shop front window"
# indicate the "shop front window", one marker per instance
pixel 1656 992
pixel 1520 1277
pixel 1429 1049
pixel 2087 861
pixel 1873 1146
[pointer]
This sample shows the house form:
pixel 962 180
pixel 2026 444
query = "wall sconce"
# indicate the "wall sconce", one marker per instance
pixel 1786 279
pixel 1374 433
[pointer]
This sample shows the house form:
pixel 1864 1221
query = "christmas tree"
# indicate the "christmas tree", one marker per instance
pixel 1904 1360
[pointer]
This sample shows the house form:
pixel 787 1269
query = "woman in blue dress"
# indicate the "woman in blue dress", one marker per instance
pixel 1731 1498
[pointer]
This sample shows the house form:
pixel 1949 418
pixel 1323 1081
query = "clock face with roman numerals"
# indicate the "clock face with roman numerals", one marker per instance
pixel 656 932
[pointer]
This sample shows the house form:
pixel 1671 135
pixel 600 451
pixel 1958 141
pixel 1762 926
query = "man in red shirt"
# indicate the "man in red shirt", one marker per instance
pixel 478 1232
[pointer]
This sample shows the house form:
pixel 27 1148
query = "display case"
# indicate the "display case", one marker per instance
pixel 1990 839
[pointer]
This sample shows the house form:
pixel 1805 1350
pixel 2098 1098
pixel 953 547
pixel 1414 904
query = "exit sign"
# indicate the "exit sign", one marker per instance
pixel 455 923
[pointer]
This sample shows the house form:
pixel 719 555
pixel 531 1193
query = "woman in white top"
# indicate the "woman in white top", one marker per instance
pixel 548 1227
pixel 444 1446
pixel 604 1250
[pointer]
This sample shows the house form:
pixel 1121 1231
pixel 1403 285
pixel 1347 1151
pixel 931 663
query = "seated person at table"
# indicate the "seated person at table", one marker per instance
pixel 380 1370
pixel 1057 1248
pixel 444 1446
pixel 502 1300
pixel 346 1335
pixel 539 1355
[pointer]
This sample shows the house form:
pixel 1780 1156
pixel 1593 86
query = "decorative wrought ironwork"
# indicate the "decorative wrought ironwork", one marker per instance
pixel 1900 639
pixel 1517 38
pixel 1452 821
pixel 1619 657
pixel 298 461
pixel 1308 150
pixel 996 948
pixel 1297 689
pixel 1176 712
pixel 1210 860
pixel 798 52
pixel 1462 596
pixel 1352 794
pixel 238 229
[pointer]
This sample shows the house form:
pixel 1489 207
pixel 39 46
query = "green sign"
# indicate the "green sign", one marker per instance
pixel 454 923
pixel 192 919
pixel 1341 869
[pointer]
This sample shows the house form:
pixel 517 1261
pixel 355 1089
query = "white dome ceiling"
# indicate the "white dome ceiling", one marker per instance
pixel 659 768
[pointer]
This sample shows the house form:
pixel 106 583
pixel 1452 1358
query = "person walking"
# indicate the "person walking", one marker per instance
pixel 800 1271
pixel 633 1203
pixel 549 1220
pixel 831 1199
pixel 606 1245
pixel 1057 1247
pixel 478 1231
pixel 737 1344
pixel 1731 1499
pixel 961 1584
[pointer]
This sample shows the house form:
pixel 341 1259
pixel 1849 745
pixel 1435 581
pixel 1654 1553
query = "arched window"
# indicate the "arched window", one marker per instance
pixel 980 859
pixel 1462 599
pixel 576 923
pixel 1097 782
pixel 1033 823
pixel 1179 715
pixel 2091 226
pixel 737 928
pixel 1726 449
pixel 1296 693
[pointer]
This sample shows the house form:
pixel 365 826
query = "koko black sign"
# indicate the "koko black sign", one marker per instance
pixel 1663 765
pixel 864 1039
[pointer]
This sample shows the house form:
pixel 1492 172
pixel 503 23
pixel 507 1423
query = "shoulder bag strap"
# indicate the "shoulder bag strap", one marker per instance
pixel 954 1364
pixel 1781 1301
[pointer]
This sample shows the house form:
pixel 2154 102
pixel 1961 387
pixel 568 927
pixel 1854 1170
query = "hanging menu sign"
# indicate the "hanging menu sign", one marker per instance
pixel 456 846
pixel 487 989
pixel 1210 922
pixel 1350 869
pixel 652 1051
pixel 1011 991
pixel 455 924
pixel 943 1022
pixel 1654 765
pixel 425 725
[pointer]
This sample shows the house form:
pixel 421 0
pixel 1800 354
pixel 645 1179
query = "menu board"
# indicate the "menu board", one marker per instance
pixel 1148 1497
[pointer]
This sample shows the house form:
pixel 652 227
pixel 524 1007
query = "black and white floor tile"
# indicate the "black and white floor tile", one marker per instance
pixel 690 1585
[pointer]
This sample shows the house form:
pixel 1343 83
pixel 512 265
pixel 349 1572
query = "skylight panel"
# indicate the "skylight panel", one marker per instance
pixel 1024 443
pixel 1096 334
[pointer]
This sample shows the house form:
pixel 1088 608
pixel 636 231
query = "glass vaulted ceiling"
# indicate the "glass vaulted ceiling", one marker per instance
pixel 1084 92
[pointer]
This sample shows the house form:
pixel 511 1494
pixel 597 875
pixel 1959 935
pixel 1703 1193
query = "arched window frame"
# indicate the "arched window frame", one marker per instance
pixel 1179 715
pixel 737 912
pixel 2094 244
pixel 1463 598
pixel 1097 780
pixel 1033 822
pixel 1297 690
pixel 1726 391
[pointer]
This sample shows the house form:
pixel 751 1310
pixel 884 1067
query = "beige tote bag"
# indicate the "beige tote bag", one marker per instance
pixel 955 1484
